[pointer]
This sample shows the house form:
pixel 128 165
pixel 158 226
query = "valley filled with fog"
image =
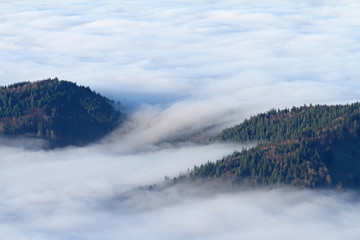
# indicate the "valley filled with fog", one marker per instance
pixel 92 193
pixel 178 68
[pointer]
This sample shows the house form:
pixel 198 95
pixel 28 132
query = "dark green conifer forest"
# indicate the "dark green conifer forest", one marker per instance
pixel 310 146
pixel 58 111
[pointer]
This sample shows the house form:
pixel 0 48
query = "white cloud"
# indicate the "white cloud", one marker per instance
pixel 191 213
pixel 185 65
pixel 48 194
pixel 106 44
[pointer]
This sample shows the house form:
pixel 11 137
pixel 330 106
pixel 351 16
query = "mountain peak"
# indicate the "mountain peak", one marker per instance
pixel 56 110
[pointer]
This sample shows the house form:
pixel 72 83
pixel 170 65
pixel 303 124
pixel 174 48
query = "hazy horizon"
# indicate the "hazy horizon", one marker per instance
pixel 179 66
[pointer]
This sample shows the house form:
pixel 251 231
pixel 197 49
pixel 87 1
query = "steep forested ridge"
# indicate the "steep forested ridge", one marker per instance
pixel 58 111
pixel 326 123
pixel 307 146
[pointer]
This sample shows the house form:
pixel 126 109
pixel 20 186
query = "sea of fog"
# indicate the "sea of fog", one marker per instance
pixel 178 67
pixel 93 193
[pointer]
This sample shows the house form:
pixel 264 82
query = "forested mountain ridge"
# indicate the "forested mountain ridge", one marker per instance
pixel 328 123
pixel 307 146
pixel 58 111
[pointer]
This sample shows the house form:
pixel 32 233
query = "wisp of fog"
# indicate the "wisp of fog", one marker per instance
pixel 178 67
pixel 92 193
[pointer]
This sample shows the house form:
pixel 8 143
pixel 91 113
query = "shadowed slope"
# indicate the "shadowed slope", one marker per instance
pixel 58 111
pixel 307 146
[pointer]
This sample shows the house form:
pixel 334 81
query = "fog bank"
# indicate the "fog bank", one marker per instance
pixel 178 67
pixel 208 58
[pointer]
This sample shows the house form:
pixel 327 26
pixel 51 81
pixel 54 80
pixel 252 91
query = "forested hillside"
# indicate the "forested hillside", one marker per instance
pixel 326 123
pixel 58 111
pixel 306 146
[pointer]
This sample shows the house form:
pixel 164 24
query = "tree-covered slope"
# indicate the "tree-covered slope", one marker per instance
pixel 58 111
pixel 327 123
pixel 307 146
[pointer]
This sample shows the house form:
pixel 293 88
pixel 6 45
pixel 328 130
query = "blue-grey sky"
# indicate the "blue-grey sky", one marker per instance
pixel 179 66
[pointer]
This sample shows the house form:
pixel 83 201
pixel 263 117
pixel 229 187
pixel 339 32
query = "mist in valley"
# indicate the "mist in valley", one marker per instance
pixel 93 192
pixel 179 68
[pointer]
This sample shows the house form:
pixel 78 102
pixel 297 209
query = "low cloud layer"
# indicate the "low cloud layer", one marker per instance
pixel 177 67
pixel 46 208
pixel 55 194
pixel 172 48
pixel 92 193
pixel 207 58
pixel 254 214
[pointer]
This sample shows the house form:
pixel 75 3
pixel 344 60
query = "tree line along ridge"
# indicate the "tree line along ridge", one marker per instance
pixel 59 111
pixel 309 146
